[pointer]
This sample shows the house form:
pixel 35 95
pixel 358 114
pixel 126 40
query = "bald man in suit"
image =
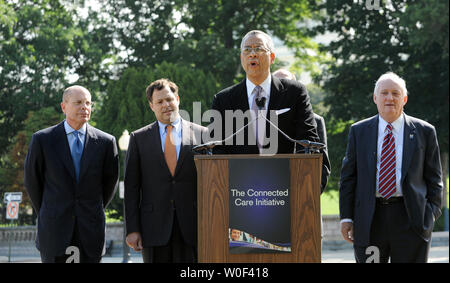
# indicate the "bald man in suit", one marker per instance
pixel 71 173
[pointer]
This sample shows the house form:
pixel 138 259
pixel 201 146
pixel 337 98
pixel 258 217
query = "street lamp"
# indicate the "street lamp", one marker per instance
pixel 123 145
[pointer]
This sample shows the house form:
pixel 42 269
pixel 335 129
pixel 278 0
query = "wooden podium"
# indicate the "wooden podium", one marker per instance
pixel 213 205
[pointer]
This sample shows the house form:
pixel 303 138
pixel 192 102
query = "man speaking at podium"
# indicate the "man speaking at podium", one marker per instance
pixel 260 91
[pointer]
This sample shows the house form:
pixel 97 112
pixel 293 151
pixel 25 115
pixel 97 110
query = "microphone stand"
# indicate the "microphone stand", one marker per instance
pixel 308 145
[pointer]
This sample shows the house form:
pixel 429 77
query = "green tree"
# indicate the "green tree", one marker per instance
pixel 11 174
pixel 44 45
pixel 203 34
pixel 409 38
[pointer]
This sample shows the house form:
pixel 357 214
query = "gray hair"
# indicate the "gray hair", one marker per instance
pixel 393 77
pixel 268 40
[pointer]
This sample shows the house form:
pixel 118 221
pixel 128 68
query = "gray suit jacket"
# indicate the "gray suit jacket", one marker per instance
pixel 421 177
pixel 152 194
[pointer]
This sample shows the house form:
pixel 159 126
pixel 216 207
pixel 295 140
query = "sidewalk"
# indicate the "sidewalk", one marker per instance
pixel 335 252
pixel 438 254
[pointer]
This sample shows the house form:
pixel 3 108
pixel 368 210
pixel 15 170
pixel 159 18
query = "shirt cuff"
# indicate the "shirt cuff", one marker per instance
pixel 346 220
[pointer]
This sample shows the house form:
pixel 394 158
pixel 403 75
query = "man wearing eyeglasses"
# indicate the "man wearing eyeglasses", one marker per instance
pixel 71 172
pixel 260 93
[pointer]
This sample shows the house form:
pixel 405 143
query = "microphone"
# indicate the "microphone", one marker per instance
pixel 308 145
pixel 209 145
pixel 260 102
pixel 205 146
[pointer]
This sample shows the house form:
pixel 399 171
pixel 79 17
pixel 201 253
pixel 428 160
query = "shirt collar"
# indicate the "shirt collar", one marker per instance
pixel 265 86
pixel 397 124
pixel 69 129
pixel 176 125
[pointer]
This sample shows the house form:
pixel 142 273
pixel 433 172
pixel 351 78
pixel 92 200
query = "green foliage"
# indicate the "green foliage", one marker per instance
pixel 409 38
pixel 11 174
pixel 43 45
pixel 203 34
pixel 126 105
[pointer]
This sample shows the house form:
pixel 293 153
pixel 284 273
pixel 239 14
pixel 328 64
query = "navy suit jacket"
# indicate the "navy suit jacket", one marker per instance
pixel 421 177
pixel 59 200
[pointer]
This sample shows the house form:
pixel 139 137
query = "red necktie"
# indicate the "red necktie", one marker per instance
pixel 387 183
pixel 170 152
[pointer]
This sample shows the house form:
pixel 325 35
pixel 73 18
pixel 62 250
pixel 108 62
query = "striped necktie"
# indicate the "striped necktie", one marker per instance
pixel 387 182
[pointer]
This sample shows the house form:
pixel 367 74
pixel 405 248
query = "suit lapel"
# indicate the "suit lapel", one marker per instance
pixel 186 142
pixel 276 97
pixel 155 138
pixel 409 145
pixel 276 90
pixel 371 144
pixel 90 149
pixel 62 149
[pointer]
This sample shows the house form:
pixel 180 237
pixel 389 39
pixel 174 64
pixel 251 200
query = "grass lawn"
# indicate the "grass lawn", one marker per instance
pixel 329 202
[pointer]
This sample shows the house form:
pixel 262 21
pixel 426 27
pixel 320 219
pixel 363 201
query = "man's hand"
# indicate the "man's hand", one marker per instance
pixel 347 231
pixel 134 241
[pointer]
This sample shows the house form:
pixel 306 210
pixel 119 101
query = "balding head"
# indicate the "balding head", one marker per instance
pixel 284 74
pixel 74 89
pixel 77 106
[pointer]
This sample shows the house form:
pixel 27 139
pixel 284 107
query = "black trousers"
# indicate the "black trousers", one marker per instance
pixel 83 257
pixel 392 238
pixel 176 250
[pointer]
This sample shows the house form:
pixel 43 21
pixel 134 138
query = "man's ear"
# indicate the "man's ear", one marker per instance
pixel 272 58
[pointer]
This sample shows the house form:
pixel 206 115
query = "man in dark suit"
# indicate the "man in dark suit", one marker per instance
pixel 161 181
pixel 71 172
pixel 294 116
pixel 321 131
pixel 390 190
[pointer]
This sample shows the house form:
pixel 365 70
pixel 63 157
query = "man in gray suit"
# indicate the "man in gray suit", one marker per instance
pixel 161 181
pixel 390 189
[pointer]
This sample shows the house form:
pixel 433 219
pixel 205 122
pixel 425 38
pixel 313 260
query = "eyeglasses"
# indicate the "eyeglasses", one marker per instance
pixel 257 50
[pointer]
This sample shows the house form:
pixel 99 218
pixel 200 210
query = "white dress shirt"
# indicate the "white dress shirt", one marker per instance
pixel 265 85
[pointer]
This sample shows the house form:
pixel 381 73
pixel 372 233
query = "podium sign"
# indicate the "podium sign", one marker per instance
pixel 214 194
pixel 259 209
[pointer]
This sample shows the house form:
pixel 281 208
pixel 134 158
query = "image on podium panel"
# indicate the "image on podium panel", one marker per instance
pixel 259 220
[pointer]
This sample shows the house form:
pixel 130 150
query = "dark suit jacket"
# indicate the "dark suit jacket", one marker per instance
pixel 421 177
pixel 152 194
pixel 59 200
pixel 326 166
pixel 298 123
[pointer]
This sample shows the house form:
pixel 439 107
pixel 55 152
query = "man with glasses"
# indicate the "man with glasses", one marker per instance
pixel 71 172
pixel 260 91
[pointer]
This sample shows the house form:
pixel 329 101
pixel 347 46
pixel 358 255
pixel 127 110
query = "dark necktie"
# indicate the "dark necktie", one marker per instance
pixel 170 151
pixel 387 183
pixel 77 152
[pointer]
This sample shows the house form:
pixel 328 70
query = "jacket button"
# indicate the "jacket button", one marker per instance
pixel 173 182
